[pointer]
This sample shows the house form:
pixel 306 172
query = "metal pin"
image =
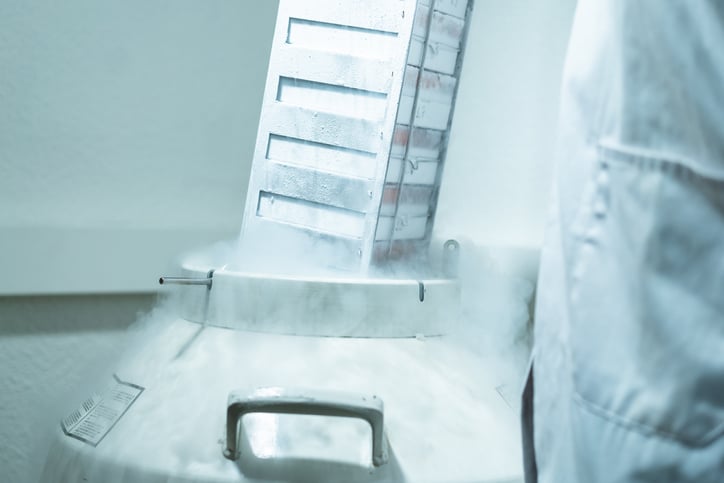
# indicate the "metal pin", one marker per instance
pixel 451 258
pixel 184 281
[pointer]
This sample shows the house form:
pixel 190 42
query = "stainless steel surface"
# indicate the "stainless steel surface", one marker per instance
pixel 409 119
pixel 354 124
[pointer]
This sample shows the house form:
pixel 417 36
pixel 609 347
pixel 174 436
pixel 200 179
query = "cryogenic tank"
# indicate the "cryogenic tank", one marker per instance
pixel 310 350
pixel 367 389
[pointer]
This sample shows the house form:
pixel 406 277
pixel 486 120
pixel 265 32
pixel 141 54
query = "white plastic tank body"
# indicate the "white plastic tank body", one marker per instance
pixel 443 419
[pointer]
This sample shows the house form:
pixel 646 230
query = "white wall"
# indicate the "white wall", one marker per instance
pixel 51 349
pixel 500 156
pixel 126 132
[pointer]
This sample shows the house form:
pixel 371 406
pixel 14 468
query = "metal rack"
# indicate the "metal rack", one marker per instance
pixel 354 125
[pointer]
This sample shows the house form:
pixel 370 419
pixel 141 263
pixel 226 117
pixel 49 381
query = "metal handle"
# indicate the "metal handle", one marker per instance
pixel 306 402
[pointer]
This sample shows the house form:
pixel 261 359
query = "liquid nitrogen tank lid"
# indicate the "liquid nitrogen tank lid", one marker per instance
pixel 328 306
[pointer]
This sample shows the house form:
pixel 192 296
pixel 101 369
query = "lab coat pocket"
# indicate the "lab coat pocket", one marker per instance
pixel 646 296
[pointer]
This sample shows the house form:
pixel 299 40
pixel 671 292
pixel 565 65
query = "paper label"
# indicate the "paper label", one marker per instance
pixel 97 415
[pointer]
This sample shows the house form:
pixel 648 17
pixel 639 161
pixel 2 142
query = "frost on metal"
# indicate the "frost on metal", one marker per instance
pixel 354 124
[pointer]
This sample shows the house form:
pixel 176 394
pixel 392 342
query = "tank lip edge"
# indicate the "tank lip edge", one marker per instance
pixel 431 278
pixel 438 335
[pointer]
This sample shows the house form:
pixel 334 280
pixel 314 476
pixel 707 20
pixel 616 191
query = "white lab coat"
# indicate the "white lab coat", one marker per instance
pixel 628 365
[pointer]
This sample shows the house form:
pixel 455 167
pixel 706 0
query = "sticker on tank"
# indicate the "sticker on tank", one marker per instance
pixel 97 415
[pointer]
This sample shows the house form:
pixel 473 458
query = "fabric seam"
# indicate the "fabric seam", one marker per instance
pixel 613 417
pixel 617 153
